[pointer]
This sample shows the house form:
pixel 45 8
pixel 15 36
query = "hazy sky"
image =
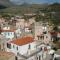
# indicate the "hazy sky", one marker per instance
pixel 34 1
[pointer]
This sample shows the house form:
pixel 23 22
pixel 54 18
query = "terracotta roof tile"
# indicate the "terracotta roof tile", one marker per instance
pixel 53 33
pixel 22 41
pixel 7 30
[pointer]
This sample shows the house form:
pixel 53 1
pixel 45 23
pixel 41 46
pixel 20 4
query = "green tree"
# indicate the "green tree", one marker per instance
pixel 39 16
pixel 26 18
pixel 7 16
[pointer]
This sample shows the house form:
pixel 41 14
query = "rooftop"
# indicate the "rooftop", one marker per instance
pixel 22 41
pixel 8 30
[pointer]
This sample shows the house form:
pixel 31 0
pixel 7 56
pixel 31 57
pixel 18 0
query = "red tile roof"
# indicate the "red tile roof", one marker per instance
pixel 7 30
pixel 53 33
pixel 22 41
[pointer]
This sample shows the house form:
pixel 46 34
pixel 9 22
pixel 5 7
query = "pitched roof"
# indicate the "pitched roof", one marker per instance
pixel 22 41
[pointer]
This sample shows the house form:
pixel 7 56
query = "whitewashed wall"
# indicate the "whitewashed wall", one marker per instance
pixel 8 34
pixel 21 49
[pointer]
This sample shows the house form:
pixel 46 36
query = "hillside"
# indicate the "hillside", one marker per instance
pixel 24 8
pixel 54 7
pixel 5 3
pixel 8 7
pixel 3 6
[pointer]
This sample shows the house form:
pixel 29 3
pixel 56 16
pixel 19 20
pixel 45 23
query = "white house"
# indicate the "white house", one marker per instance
pixel 8 33
pixel 21 45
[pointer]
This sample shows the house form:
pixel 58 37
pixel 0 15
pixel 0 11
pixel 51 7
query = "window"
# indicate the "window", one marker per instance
pixel 17 48
pixel 44 32
pixel 11 33
pixel 9 46
pixel 8 33
pixel 29 46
